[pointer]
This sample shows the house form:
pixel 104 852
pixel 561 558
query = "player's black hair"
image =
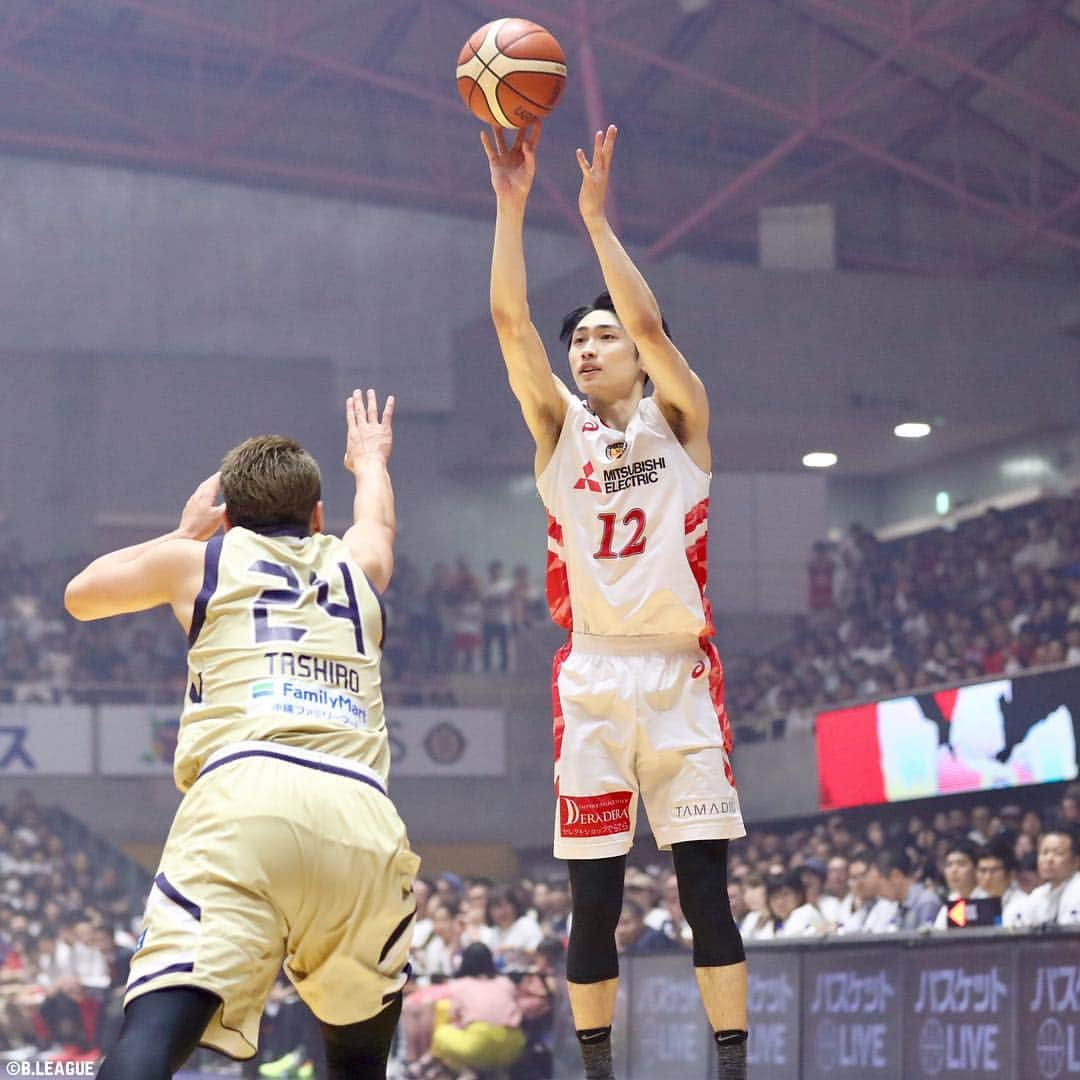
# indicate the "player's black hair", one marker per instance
pixel 602 303
pixel 477 961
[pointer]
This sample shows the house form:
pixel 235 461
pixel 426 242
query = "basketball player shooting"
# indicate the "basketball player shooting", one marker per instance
pixel 638 687
pixel 286 846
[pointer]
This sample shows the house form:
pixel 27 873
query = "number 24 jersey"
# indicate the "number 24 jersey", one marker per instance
pixel 285 644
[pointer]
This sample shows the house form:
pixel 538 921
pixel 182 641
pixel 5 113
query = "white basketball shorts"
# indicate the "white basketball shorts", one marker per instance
pixel 640 715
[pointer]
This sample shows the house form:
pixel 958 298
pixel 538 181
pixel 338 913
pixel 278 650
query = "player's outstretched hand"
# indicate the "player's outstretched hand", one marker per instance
pixel 366 434
pixel 595 175
pixel 202 516
pixel 513 168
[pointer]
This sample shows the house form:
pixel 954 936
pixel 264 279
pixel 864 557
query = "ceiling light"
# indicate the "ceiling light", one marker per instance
pixel 819 459
pixel 913 429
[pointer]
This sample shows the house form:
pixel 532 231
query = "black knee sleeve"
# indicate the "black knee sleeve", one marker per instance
pixel 701 867
pixel 596 888
pixel 159 1033
pixel 360 1051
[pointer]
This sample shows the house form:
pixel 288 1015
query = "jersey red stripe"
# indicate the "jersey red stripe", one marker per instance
pixel 696 515
pixel 558 725
pixel 716 693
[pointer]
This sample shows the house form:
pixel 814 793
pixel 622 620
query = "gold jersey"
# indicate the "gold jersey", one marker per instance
pixel 285 643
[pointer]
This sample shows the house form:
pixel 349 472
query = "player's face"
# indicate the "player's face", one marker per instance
pixel 603 359
pixel 1057 863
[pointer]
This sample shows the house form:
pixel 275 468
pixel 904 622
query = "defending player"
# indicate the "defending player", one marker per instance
pixel 285 846
pixel 624 477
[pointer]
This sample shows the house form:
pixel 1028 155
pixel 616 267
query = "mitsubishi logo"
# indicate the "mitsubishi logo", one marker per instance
pixel 585 480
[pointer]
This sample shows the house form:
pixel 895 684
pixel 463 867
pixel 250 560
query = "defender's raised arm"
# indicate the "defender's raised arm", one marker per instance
pixel 541 396
pixel 165 570
pixel 368 443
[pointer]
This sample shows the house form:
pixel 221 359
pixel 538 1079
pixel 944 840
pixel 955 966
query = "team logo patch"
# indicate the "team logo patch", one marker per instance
pixel 585 481
pixel 583 816
pixel 699 670
pixel 590 425
pixel 633 474
pixel 614 451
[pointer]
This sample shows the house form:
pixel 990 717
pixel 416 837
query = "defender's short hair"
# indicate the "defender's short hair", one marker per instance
pixel 270 480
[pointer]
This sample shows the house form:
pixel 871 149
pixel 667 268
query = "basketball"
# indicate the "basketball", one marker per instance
pixel 511 73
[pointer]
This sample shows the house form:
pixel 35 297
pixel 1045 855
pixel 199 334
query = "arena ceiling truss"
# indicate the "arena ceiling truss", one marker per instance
pixel 945 134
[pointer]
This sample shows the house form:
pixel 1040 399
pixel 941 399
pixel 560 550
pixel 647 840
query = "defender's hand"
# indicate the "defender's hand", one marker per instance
pixel 367 435
pixel 201 517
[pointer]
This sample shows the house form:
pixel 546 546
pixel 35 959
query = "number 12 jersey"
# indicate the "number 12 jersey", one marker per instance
pixel 627 528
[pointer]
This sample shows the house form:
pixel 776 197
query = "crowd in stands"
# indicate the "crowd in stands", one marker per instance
pixel 998 594
pixel 897 872
pixel 455 621
pixel 487 958
pixel 66 940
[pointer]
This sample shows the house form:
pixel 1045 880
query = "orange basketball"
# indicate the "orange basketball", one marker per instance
pixel 511 72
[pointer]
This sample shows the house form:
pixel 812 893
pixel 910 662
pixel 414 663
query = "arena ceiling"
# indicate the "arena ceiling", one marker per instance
pixel 945 134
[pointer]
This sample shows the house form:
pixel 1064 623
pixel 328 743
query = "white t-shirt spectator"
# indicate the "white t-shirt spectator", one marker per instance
pixel 804 921
pixel 436 958
pixel 882 917
pixel 1057 905
pixel 523 935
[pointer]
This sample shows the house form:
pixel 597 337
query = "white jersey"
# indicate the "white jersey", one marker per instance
pixel 627 528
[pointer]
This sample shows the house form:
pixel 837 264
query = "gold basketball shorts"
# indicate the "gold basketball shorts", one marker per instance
pixel 279 854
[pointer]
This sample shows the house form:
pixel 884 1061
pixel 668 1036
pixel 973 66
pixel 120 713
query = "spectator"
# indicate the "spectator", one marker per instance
pixel 757 923
pixel 479 1025
pixel 830 903
pixel 959 872
pixel 498 618
pixel 634 938
pixel 792 915
pixel 1057 900
pixel 995 871
pixel 895 880
pixel 514 935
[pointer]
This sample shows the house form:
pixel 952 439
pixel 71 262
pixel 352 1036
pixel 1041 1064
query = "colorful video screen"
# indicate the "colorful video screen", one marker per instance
pixel 998 734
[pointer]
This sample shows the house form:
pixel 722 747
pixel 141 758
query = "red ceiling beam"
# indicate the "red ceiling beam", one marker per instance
pixel 812 121
pixel 81 99
pixel 44 15
pixel 861 146
pixel 594 97
pixel 240 36
pixel 857 16
pixel 931 179
pixel 1035 232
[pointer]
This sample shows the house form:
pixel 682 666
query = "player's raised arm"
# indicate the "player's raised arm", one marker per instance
pixel 368 442
pixel 543 399
pixel 679 392
pixel 165 570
